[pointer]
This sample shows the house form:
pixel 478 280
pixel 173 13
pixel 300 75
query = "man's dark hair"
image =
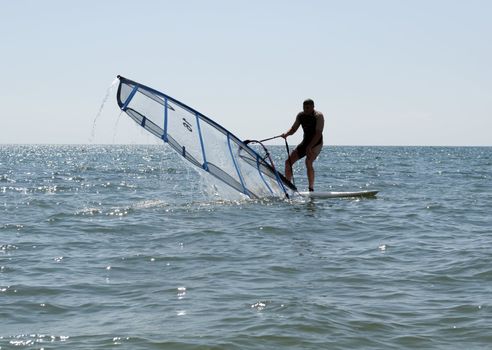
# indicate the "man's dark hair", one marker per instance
pixel 308 102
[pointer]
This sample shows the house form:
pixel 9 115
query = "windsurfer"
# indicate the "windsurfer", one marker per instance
pixel 312 123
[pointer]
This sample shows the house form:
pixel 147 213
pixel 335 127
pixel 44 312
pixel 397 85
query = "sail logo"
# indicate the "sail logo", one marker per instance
pixel 187 125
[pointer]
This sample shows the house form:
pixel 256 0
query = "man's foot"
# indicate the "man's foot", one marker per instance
pixel 311 189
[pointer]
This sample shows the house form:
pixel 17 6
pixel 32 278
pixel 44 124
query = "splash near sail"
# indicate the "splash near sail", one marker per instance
pixel 202 141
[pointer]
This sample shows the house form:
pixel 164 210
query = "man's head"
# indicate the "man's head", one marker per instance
pixel 308 106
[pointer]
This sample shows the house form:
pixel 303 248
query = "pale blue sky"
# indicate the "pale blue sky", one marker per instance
pixel 382 72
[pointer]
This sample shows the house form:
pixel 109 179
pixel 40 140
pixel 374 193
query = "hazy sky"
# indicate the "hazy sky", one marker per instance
pixel 382 72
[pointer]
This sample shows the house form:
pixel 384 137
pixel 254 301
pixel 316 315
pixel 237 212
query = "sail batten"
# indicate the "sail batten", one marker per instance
pixel 134 91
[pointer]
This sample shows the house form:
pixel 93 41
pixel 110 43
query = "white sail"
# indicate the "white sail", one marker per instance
pixel 202 141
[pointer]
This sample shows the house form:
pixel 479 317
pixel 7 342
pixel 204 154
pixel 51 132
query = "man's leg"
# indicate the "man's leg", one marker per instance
pixel 310 173
pixel 310 168
pixel 294 157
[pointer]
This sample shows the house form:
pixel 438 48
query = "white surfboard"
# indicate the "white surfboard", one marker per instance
pixel 355 194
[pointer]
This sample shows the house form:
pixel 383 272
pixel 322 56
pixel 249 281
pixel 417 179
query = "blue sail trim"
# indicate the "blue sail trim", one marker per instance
pixel 261 174
pixel 164 135
pixel 235 165
pixel 204 165
pixel 134 91
pixel 280 182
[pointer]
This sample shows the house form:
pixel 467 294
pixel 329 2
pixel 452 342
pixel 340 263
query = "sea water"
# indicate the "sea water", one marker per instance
pixel 128 247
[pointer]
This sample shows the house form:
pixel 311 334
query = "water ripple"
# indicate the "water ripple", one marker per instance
pixel 125 246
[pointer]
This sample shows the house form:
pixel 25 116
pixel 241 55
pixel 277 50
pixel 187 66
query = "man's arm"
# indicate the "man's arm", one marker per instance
pixel 293 128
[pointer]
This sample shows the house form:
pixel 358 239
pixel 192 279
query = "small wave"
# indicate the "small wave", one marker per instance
pixel 29 340
pixel 16 227
pixel 260 305
pixel 123 210
pixel 484 275
pixel 6 178
pixel 6 247
pixel 89 211
pixel 23 190
pixel 152 203
pixel 53 308
pixel 118 212
pixel 8 289
pixel 6 269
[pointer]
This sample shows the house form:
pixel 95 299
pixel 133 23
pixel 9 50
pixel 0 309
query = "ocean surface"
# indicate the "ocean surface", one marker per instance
pixel 128 247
